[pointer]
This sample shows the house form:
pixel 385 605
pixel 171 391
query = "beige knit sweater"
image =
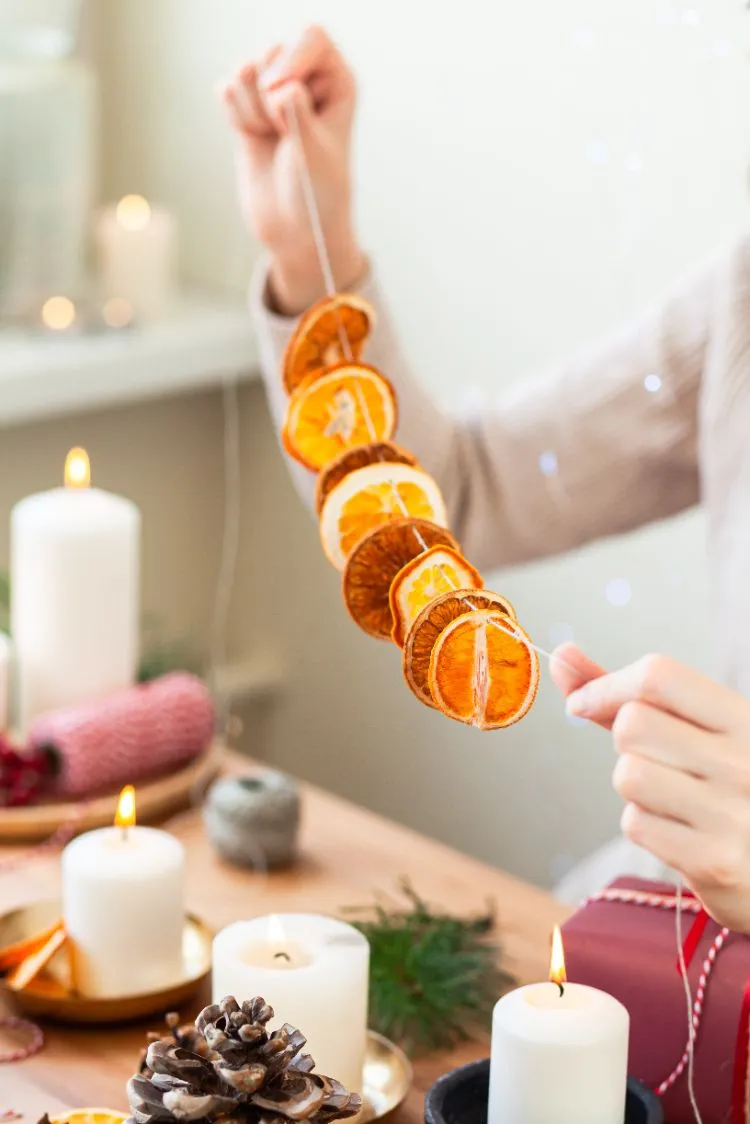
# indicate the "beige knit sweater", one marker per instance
pixel 640 427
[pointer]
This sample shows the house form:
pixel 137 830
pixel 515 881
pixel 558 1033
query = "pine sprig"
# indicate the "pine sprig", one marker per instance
pixel 434 978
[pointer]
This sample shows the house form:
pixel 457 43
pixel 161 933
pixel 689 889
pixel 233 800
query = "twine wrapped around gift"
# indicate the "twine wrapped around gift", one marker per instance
pixel 145 730
pixel 588 964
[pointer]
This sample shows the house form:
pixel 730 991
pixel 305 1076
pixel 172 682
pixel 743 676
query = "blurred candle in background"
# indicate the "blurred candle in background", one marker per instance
pixel 137 257
pixel 75 556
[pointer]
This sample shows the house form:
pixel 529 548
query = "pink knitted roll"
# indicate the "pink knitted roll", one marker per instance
pixel 143 731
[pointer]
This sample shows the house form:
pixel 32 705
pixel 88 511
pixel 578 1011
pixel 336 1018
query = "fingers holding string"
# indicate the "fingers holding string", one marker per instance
pixel 315 61
pixel 247 111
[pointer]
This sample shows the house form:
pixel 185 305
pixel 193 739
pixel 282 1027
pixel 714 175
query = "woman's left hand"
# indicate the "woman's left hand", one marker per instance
pixel 683 768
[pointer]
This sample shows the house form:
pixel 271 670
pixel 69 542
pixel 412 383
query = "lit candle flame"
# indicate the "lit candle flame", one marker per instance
pixel 58 314
pixel 276 934
pixel 557 973
pixel 77 469
pixel 125 814
pixel 133 212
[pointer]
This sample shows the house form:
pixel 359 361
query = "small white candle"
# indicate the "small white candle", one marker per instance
pixel 137 253
pixel 314 972
pixel 559 1054
pixel 74 593
pixel 123 907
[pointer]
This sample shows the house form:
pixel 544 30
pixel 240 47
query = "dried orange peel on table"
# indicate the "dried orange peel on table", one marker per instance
pixel 383 524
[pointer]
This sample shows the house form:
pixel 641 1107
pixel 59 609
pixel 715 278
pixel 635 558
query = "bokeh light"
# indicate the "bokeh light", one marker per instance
pixel 618 592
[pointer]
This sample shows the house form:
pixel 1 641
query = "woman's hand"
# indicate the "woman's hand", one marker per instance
pixel 683 768
pixel 310 81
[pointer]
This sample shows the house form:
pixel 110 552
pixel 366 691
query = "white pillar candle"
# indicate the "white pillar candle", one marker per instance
pixel 137 254
pixel 74 594
pixel 314 972
pixel 123 907
pixel 6 656
pixel 559 1054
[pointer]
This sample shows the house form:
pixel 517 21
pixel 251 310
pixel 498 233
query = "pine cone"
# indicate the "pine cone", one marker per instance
pixel 186 1036
pixel 233 1068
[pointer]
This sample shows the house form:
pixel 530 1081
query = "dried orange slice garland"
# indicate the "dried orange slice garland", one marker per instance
pixel 383 524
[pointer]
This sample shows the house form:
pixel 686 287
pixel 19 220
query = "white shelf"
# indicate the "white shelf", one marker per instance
pixel 201 345
pixel 249 680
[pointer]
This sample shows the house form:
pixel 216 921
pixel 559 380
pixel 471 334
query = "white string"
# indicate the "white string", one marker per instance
pixel 324 260
pixel 689 1000
pixel 230 542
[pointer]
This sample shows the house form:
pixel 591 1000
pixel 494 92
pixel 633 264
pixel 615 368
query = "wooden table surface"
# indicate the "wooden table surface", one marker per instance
pixel 348 854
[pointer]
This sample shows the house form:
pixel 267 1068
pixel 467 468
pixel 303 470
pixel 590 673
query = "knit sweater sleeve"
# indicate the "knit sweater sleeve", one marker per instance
pixel 596 447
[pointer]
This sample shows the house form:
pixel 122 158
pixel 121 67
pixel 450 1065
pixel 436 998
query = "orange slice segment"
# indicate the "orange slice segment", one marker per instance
pixel 375 562
pixel 483 671
pixel 374 495
pixel 352 459
pixel 91 1116
pixel 440 570
pixel 23 974
pixel 318 341
pixel 14 954
pixel 421 637
pixel 350 406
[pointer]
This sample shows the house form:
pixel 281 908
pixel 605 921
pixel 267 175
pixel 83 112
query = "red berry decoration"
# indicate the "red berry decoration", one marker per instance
pixel 23 774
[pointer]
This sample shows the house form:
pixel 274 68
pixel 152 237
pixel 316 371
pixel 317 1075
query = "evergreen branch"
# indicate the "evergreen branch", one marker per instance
pixel 434 978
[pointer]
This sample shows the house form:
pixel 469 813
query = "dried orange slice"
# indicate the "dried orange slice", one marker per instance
pixel 14 954
pixel 318 341
pixel 350 406
pixel 421 637
pixel 374 495
pixel 375 562
pixel 91 1116
pixel 483 670
pixel 440 570
pixel 23 974
pixel 353 459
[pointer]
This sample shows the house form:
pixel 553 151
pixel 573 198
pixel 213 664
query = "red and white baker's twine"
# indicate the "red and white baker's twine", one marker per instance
pixel 691 905
pixel 33 1044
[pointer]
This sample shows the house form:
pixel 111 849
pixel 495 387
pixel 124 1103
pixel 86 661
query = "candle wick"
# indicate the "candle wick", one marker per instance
pixel 562 990
pixel 124 834
pixel 282 956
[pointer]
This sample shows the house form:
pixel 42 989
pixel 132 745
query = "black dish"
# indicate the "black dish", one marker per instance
pixel 461 1098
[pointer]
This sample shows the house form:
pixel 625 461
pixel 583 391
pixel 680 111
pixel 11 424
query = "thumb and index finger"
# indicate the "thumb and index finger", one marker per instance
pixel 307 77
pixel 657 681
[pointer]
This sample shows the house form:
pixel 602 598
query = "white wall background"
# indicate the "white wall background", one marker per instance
pixel 528 175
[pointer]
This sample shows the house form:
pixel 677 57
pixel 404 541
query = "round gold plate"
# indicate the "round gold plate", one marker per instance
pixel 387 1078
pixel 157 799
pixel 48 998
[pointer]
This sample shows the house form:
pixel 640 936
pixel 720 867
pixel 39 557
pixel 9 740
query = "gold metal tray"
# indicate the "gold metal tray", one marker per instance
pixel 388 1077
pixel 48 997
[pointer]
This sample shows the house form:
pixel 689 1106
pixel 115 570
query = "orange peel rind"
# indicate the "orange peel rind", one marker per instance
pixel 375 562
pixel 425 629
pixel 484 671
pixel 349 406
pixel 318 341
pixel 358 457
pixel 371 496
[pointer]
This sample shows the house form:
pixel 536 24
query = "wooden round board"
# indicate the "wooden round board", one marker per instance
pixel 156 799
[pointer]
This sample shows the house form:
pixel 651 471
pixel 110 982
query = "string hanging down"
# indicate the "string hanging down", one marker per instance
pixel 324 261
pixel 316 225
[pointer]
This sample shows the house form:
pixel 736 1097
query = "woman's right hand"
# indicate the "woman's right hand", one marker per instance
pixel 309 81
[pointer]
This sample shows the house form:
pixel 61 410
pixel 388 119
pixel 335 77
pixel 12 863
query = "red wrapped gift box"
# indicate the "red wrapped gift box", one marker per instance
pixel 624 942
